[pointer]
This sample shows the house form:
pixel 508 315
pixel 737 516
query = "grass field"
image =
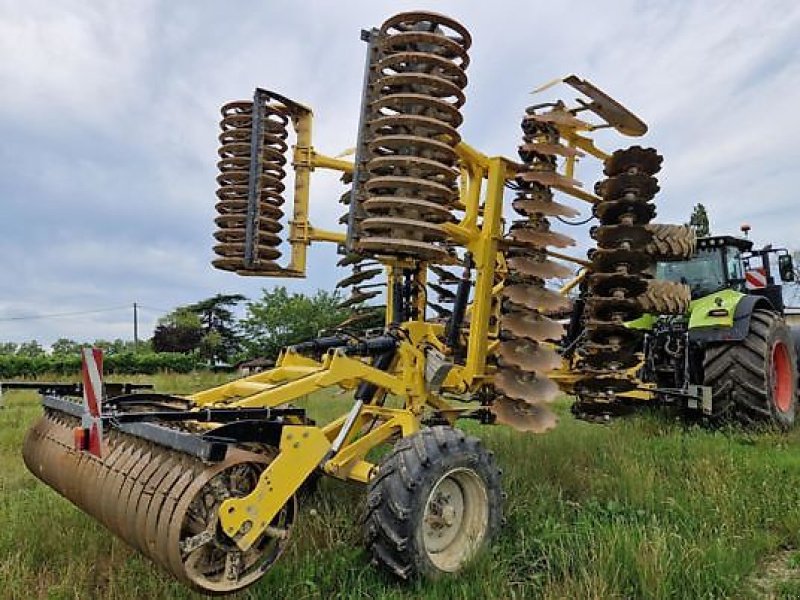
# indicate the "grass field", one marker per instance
pixel 642 508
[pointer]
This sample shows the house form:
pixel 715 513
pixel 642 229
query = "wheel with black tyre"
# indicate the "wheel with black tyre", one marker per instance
pixel 671 242
pixel 435 502
pixel 755 380
pixel 665 297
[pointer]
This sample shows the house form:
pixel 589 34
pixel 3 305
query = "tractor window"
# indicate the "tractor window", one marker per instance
pixel 733 258
pixel 704 273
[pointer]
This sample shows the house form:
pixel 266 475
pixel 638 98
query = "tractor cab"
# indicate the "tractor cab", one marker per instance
pixel 729 262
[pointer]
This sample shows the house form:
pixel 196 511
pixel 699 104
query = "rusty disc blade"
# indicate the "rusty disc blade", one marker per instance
pixel 441 311
pixel 609 260
pixel 640 186
pixel 531 267
pixel 548 178
pixel 549 208
pixel 445 295
pixel 539 237
pixel 527 152
pixel 387 246
pixel 535 297
pixel 358 297
pixel 528 356
pixel 613 334
pixel 358 318
pixel 613 310
pixel 527 324
pixel 445 276
pixel 635 158
pixel 525 386
pixel 612 212
pixel 559 118
pixel 358 277
pixel 522 416
pixel 350 259
pixel 617 285
pixel 608 357
pixel 612 236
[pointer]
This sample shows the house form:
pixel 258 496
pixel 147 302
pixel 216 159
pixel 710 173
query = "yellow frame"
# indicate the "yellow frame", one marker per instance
pixel 305 448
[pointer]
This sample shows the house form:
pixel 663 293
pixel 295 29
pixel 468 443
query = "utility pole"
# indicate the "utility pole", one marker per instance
pixel 135 327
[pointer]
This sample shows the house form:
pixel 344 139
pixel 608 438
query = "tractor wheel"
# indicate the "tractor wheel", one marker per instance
pixel 665 297
pixel 671 242
pixel 435 502
pixel 755 380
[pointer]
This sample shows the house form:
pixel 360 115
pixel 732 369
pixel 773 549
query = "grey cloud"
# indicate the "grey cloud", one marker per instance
pixel 110 114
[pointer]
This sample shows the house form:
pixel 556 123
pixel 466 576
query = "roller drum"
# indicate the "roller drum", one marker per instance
pixel 414 111
pixel 234 180
pixel 161 502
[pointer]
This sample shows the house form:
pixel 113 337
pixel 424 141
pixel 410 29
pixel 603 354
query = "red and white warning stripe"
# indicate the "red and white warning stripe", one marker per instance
pixel 756 278
pixel 90 437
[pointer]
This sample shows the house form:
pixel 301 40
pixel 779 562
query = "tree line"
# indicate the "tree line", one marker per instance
pixel 205 333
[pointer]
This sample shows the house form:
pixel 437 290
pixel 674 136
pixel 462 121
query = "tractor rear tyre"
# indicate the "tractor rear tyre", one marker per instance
pixel 755 380
pixel 665 298
pixel 435 502
pixel 671 242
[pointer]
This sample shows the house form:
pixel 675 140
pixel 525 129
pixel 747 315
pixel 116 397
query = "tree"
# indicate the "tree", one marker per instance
pixel 65 347
pixel 699 220
pixel 221 337
pixel 280 319
pixel 31 349
pixel 179 331
pixel 118 346
pixel 7 348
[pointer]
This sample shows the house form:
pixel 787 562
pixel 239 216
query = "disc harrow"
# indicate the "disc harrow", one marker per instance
pixel 414 113
pixel 523 357
pixel 205 485
pixel 618 275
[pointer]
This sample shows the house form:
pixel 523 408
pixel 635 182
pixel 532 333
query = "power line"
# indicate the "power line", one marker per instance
pixel 153 308
pixel 65 314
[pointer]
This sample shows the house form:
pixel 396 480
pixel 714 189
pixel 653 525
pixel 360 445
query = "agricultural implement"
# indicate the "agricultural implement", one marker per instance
pixel 206 485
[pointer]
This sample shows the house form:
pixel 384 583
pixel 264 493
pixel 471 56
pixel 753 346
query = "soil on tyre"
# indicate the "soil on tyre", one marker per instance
pixel 671 242
pixel 754 381
pixel 665 298
pixel 435 502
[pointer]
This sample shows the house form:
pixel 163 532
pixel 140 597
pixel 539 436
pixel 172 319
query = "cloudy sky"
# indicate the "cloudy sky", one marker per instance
pixel 109 116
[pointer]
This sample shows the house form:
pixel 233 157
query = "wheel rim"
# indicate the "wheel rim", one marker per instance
pixel 456 519
pixel 211 561
pixel 781 377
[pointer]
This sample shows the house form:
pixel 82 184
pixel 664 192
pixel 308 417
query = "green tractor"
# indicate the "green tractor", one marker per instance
pixel 722 347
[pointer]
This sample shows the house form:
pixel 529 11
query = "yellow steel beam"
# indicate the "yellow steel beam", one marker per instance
pixel 321 161
pixel 394 421
pixel 245 519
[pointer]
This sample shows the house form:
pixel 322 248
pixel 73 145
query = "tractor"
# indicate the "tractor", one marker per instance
pixel 715 342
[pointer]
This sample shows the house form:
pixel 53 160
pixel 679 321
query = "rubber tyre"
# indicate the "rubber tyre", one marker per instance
pixel 665 297
pixel 407 479
pixel 671 242
pixel 754 381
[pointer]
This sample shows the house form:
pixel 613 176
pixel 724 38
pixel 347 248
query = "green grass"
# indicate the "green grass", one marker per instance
pixel 641 508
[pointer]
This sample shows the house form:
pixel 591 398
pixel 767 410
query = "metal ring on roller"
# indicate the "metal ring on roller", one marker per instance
pixel 234 177
pixel 414 103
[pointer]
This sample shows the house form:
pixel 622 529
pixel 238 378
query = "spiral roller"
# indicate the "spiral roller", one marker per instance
pixel 161 502
pixel 250 189
pixel 619 276
pixel 413 115
pixel 523 358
